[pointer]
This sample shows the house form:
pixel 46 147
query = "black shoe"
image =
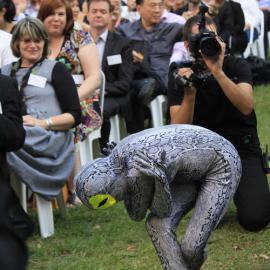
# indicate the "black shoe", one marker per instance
pixel 73 199
pixel 147 91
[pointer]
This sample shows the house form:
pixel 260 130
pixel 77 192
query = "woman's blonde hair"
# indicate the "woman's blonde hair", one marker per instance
pixel 31 28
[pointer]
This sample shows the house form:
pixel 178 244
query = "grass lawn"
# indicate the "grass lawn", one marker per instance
pixel 103 240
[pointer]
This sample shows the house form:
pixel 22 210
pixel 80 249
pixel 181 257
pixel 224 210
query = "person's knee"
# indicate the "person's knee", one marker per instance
pixel 190 250
pixel 193 254
pixel 253 220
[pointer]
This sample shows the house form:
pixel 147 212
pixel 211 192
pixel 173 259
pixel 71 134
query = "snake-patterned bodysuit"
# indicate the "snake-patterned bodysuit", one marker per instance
pixel 169 170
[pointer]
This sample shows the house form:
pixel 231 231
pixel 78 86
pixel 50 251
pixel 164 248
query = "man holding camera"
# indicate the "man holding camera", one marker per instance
pixel 215 91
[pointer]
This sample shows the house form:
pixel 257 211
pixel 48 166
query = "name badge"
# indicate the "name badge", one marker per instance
pixel 78 78
pixel 1 111
pixel 114 59
pixel 37 80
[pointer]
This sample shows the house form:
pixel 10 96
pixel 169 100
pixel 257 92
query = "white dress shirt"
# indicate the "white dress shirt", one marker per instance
pixel 100 43
pixel 6 56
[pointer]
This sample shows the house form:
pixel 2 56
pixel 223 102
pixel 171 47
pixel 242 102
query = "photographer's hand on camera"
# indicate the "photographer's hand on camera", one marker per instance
pixel 187 73
pixel 240 95
pixel 215 65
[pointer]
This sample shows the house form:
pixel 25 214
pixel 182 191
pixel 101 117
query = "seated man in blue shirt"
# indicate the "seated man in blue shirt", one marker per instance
pixel 153 44
pixel 156 38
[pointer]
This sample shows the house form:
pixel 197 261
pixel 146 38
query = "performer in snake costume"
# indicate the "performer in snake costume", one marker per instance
pixel 167 170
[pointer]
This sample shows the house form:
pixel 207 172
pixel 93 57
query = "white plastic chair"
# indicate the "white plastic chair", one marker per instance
pixel 260 41
pixel 44 207
pixel 118 128
pixel 250 46
pixel 87 146
pixel 256 47
pixel 156 109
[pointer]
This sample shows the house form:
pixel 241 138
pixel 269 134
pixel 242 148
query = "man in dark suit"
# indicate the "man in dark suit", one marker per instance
pixel 15 225
pixel 116 63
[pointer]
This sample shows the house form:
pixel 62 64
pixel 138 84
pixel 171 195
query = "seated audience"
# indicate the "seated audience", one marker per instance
pixel 252 15
pixel 130 12
pixel 190 9
pixel 32 8
pixel 6 56
pixel 50 108
pixel 153 42
pixel 168 16
pixel 156 38
pixel 178 4
pixel 117 17
pixel 78 52
pixel 7 14
pixel 20 6
pixel 115 61
pixel 78 16
pixel 230 21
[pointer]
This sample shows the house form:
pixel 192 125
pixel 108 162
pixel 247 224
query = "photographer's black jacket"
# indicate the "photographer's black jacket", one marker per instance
pixel 213 109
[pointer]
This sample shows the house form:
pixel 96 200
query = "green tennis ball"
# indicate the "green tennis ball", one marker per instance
pixel 101 201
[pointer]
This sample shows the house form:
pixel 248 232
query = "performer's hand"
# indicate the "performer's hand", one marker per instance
pixel 146 165
pixel 108 149
pixel 143 164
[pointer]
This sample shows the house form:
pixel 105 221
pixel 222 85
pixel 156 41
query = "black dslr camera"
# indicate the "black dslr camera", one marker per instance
pixel 204 42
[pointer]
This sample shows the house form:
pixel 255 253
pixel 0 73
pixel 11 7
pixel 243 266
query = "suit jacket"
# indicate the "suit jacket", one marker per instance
pixel 12 133
pixel 118 76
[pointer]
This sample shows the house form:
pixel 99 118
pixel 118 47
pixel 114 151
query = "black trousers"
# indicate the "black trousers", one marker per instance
pixel 15 228
pixel 252 198
pixel 113 105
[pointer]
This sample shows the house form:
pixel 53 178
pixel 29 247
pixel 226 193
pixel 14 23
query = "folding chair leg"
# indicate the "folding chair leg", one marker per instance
pixel 45 217
pixel 61 204
pixel 20 189
pixel 115 129
pixel 24 197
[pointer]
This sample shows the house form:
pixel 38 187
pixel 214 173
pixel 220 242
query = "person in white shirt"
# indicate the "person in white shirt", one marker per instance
pixel 6 56
pixel 129 11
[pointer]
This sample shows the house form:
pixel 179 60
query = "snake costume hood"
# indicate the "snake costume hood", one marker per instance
pixel 140 192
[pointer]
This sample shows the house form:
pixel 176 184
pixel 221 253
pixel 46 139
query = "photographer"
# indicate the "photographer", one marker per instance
pixel 218 96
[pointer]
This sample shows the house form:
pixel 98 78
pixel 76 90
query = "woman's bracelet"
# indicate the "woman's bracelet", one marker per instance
pixel 49 123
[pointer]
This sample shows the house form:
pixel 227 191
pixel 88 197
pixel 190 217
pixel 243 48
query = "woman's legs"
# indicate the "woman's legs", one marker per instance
pixel 72 198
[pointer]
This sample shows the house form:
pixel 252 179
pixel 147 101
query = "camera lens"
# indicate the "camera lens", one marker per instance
pixel 210 46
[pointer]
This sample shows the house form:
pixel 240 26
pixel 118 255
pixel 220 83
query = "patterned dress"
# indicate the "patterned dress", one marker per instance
pixel 169 170
pixel 91 113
